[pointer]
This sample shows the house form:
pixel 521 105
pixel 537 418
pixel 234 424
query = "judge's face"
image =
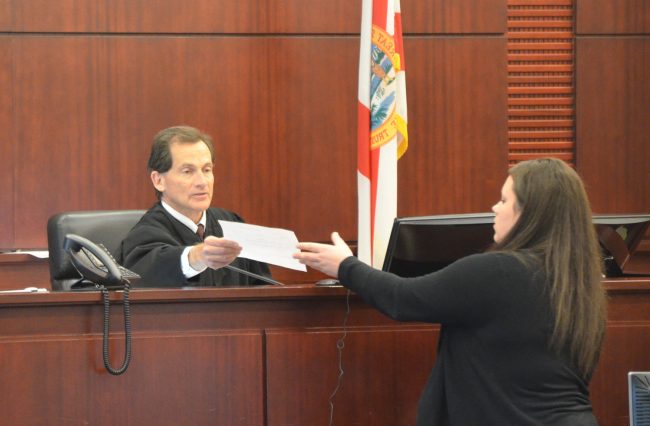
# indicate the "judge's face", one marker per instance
pixel 506 211
pixel 187 186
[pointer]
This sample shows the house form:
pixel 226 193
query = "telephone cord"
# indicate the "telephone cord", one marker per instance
pixel 127 330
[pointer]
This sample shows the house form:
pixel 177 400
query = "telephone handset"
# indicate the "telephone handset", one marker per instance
pixel 95 263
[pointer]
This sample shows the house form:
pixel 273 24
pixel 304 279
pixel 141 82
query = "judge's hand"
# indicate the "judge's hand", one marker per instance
pixel 214 253
pixel 324 257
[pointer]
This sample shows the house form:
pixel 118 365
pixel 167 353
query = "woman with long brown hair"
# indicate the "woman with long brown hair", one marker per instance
pixel 521 325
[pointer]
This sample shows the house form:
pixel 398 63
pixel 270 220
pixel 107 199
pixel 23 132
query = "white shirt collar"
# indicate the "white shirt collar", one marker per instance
pixel 184 219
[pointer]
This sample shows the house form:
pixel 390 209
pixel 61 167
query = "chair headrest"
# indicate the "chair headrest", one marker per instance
pixel 108 227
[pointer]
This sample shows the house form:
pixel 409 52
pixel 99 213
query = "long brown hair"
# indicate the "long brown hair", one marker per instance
pixel 555 228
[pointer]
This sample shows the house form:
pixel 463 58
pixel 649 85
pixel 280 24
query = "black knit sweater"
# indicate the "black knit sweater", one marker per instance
pixel 494 366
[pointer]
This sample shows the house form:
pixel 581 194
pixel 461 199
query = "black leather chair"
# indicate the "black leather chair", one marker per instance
pixel 108 227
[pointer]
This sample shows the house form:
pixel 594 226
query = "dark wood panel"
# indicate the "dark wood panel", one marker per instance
pixel 8 144
pixel 181 311
pixel 626 349
pixel 6 17
pixel 18 271
pixel 85 116
pixel 285 141
pixel 296 166
pixel 629 305
pixel 62 380
pixel 243 16
pixel 458 155
pixel 453 17
pixel 384 374
pixel 54 338
pixel 282 133
pixel 197 353
pixel 177 16
pixel 612 128
pixel 613 17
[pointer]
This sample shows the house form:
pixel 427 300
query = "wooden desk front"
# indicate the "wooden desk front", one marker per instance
pixel 253 356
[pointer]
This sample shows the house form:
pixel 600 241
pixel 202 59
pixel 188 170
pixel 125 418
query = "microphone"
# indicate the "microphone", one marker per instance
pixel 254 275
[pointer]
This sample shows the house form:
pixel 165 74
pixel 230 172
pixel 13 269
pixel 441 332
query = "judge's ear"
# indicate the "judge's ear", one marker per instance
pixel 158 181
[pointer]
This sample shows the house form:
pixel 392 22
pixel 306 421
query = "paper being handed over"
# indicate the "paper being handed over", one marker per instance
pixel 270 245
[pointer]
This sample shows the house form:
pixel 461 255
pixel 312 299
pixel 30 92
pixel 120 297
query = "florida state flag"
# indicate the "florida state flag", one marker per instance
pixel 382 135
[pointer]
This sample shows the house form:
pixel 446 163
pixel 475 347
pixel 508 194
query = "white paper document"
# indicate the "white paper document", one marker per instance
pixel 270 245
pixel 26 290
pixel 41 254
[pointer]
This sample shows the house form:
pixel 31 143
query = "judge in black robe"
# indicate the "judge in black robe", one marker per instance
pixel 154 246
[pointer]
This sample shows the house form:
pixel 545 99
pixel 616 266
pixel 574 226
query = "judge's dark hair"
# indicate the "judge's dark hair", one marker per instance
pixel 160 159
pixel 555 230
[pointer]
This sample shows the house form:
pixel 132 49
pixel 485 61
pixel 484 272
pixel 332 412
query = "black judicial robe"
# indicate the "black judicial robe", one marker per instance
pixel 154 246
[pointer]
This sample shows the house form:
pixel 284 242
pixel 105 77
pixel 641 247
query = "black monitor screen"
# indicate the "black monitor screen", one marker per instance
pixel 424 244
pixel 419 245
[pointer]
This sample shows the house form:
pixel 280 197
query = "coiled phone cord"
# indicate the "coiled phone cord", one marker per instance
pixel 340 344
pixel 127 330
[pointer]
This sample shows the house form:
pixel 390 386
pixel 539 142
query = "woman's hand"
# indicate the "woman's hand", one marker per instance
pixel 324 257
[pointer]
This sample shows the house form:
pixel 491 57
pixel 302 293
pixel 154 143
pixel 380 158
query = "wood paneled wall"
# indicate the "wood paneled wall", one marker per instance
pixel 92 82
pixel 86 84
pixel 613 103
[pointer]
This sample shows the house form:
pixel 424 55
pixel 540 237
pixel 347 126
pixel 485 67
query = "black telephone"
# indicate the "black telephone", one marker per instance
pixel 95 264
